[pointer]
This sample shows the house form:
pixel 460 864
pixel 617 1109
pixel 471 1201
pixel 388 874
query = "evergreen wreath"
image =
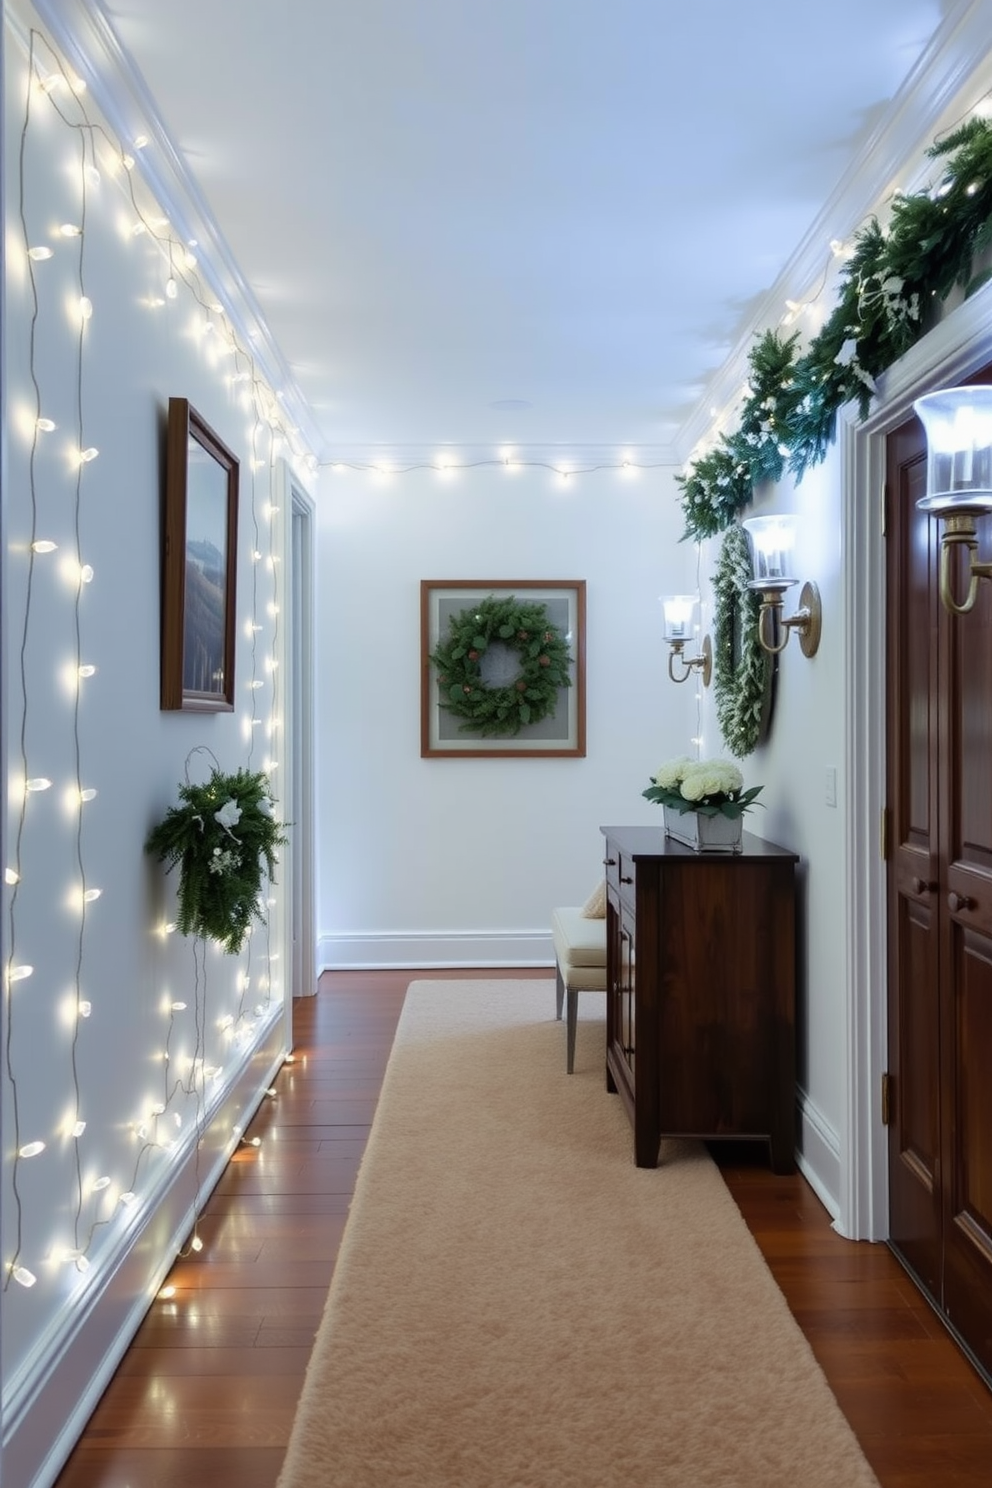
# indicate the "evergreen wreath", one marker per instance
pixel 741 667
pixel 222 836
pixel 888 289
pixel 544 659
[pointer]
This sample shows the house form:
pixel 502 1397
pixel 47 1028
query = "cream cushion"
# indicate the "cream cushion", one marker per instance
pixel 580 942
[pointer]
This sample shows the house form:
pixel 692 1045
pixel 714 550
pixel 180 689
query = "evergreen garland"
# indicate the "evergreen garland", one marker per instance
pixel 888 289
pixel 544 659
pixel 221 837
pixel 741 666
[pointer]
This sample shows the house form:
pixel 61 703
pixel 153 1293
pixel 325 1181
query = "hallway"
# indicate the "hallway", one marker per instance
pixel 207 1392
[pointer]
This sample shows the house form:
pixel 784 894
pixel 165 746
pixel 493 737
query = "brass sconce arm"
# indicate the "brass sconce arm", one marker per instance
pixel 959 531
pixel 773 628
pixel 703 662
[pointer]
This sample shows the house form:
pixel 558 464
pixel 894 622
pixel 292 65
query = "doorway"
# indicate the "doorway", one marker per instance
pixel 938 912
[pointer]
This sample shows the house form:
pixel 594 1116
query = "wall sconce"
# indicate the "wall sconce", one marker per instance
pixel 772 540
pixel 958 426
pixel 679 611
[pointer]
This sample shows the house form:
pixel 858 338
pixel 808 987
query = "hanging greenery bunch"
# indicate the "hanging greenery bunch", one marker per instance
pixel 543 662
pixel 223 836
pixel 887 291
pixel 741 667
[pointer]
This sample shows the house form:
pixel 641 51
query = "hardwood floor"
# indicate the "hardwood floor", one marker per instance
pixel 207 1391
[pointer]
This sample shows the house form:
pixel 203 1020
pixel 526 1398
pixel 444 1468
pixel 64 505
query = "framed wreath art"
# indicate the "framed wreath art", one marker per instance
pixel 743 672
pixel 223 836
pixel 502 667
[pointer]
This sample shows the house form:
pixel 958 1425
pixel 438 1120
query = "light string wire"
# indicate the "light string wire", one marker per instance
pixel 455 467
pixel 181 261
pixel 13 1267
pixel 266 412
pixel 698 740
pixel 77 694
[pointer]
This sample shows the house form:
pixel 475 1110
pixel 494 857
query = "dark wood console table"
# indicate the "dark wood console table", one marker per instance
pixel 701 975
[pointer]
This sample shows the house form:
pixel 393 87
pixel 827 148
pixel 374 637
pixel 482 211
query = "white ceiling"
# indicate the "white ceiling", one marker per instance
pixel 492 222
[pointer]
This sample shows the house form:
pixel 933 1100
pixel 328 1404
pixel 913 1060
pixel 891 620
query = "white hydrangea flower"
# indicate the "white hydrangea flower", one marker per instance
pixel 672 772
pixel 710 778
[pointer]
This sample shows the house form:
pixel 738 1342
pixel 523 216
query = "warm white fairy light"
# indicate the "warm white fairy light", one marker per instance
pixel 269 419
pixel 23 1276
pixel 31 1149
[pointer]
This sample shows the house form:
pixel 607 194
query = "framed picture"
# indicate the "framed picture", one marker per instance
pixel 199 568
pixel 502 667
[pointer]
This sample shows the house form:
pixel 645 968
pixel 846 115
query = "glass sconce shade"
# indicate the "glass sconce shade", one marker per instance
pixel 679 610
pixel 958 426
pixel 772 540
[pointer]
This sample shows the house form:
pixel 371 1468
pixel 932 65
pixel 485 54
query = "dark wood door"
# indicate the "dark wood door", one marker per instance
pixel 939 779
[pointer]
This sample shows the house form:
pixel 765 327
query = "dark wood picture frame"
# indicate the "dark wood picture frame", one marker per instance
pixel 558 736
pixel 199 565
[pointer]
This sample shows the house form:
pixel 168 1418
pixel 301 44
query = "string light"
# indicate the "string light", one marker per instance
pixel 268 420
pixel 624 465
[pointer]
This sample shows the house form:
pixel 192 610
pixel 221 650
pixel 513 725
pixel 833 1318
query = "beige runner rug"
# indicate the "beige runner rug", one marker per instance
pixel 516 1305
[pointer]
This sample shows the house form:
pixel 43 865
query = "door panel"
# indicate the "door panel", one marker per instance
pixel 939 782
pixel 913 944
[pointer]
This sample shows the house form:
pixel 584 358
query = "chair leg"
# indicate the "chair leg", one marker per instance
pixel 559 991
pixel 573 1018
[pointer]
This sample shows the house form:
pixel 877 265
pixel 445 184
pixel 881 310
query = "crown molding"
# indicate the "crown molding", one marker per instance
pixel 948 79
pixel 83 33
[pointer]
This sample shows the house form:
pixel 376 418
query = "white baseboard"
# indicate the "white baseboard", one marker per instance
pixel 421 950
pixel 46 1408
pixel 818 1153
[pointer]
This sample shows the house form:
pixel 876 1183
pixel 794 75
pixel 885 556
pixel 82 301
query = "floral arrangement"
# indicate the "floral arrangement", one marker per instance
pixel 712 787
pixel 222 836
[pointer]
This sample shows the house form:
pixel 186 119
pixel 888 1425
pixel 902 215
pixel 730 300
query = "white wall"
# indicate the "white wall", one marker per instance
pixel 806 739
pixel 97 1257
pixel 429 861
